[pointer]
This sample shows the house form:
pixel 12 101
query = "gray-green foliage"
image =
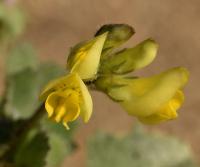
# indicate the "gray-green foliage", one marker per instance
pixel 60 142
pixel 22 93
pixel 33 151
pixel 45 146
pixel 21 58
pixel 12 22
pixel 25 78
pixel 139 149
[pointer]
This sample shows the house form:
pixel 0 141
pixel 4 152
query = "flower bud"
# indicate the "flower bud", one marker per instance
pixel 117 34
pixel 130 59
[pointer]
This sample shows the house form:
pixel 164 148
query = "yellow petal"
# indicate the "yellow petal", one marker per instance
pixel 73 111
pixel 71 82
pixel 166 112
pixel 144 96
pixel 177 101
pixel 59 111
pixel 85 60
pixel 60 84
pixel 85 101
pixel 51 103
pixel 156 118
pixel 63 105
pixel 67 100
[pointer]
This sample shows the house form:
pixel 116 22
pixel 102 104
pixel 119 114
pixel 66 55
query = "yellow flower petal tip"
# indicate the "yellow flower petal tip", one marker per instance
pixel 66 99
pixel 84 59
pixel 66 126
pixel 184 74
pixel 167 111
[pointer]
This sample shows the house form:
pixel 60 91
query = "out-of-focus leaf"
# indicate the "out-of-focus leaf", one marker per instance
pixel 140 149
pixel 22 79
pixel 12 22
pixel 48 71
pixel 21 58
pixel 24 88
pixel 33 151
pixel 22 94
pixel 25 78
pixel 52 127
pixel 60 141
pixel 58 151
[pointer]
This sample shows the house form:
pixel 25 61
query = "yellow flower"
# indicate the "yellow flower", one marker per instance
pixel 153 99
pixel 84 58
pixel 67 98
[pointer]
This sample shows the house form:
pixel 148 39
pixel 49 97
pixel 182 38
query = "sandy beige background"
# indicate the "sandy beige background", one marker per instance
pixel 54 26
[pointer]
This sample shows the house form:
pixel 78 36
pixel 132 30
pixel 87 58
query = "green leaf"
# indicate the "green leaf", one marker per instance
pixel 59 150
pixel 49 71
pixel 22 94
pixel 21 58
pixel 22 77
pixel 60 140
pixel 140 149
pixel 25 79
pixel 12 22
pixel 33 151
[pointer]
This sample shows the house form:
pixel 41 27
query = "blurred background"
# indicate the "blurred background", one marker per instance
pixel 55 26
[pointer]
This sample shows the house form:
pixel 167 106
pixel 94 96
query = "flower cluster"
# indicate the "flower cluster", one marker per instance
pixel 152 99
pixel 68 97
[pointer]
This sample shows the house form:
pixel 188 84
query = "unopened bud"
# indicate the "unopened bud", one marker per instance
pixel 131 59
pixel 117 34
